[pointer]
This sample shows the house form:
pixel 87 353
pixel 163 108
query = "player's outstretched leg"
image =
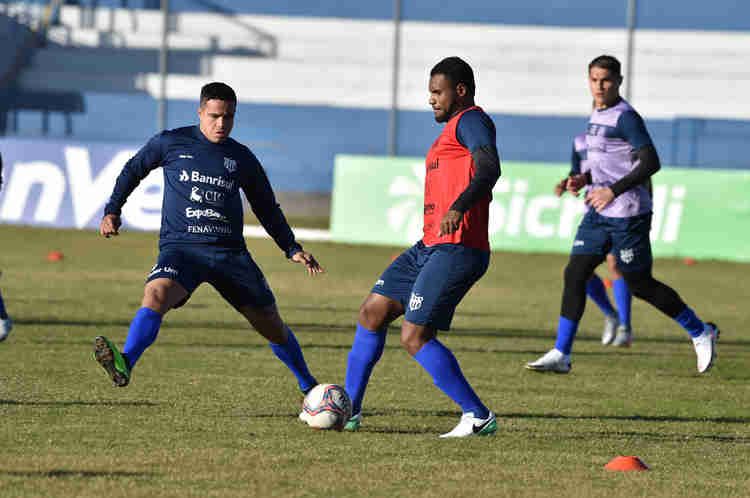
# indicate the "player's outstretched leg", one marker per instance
pixel 6 324
pixel 420 342
pixel 290 353
pixel 703 334
pixel 577 273
pixel 142 332
pixel 598 293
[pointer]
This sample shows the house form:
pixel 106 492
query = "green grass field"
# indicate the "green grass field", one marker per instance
pixel 211 412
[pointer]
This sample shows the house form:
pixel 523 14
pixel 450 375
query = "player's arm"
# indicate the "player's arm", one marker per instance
pixel 633 130
pixel 135 170
pixel 262 200
pixel 575 169
pixel 476 133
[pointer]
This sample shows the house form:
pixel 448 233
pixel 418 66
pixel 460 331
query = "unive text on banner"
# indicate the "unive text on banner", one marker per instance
pixel 697 213
pixel 66 185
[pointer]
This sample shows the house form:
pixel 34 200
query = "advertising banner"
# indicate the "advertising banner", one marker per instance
pixel 697 213
pixel 66 184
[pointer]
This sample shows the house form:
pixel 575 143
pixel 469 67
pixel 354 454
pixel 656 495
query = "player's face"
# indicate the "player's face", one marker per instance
pixel 604 86
pixel 216 119
pixel 443 98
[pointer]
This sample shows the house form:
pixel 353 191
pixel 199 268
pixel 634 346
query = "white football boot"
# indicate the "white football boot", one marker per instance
pixel 624 336
pixel 552 361
pixel 705 347
pixel 5 327
pixel 610 329
pixel 469 425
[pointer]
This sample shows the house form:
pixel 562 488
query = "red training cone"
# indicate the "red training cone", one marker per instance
pixel 54 256
pixel 626 464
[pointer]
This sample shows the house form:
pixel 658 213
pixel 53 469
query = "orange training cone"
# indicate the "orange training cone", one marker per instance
pixel 54 256
pixel 626 464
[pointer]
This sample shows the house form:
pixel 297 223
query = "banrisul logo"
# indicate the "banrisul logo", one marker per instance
pixel 522 208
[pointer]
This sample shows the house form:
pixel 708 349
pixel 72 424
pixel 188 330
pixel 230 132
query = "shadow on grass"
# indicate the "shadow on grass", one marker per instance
pixel 76 402
pixel 390 412
pixel 348 329
pixel 54 473
pixel 650 436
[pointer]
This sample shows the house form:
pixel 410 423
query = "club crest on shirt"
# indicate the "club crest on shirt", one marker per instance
pixel 627 256
pixel 230 164
pixel 415 302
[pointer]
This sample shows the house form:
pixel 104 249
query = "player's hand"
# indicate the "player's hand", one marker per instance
pixel 309 261
pixel 110 225
pixel 599 198
pixel 575 183
pixel 561 187
pixel 450 222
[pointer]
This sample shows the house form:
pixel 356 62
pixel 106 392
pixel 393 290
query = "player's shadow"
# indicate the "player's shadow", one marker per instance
pixel 72 473
pixel 76 402
pixel 628 418
pixel 651 436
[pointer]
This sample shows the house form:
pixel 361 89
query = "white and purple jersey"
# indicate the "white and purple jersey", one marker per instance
pixel 614 136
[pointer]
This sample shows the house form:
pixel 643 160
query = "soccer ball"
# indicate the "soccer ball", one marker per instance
pixel 327 406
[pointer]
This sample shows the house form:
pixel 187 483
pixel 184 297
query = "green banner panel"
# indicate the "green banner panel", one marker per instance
pixel 697 213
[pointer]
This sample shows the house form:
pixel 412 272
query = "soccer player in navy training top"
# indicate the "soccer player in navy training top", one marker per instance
pixel 621 160
pixel 5 322
pixel 617 328
pixel 201 234
pixel 427 281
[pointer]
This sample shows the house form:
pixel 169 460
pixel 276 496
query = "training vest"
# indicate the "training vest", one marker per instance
pixel 449 169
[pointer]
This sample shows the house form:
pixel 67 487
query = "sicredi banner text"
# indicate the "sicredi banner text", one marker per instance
pixel 697 213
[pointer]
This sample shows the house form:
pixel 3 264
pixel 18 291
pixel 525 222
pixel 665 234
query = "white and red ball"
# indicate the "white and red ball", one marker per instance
pixel 327 406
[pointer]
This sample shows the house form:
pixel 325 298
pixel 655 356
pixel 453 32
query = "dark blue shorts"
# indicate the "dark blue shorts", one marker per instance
pixel 232 272
pixel 430 281
pixel 626 238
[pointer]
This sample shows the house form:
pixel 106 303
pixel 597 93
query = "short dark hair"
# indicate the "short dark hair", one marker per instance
pixel 606 62
pixel 457 71
pixel 218 91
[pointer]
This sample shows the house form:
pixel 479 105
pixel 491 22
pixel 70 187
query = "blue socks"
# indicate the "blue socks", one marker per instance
pixel 566 334
pixel 443 367
pixel 3 313
pixel 596 291
pixel 624 299
pixel 367 349
pixel 690 322
pixel 143 331
pixel 291 354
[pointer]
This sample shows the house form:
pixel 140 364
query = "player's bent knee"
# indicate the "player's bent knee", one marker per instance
pixel 373 314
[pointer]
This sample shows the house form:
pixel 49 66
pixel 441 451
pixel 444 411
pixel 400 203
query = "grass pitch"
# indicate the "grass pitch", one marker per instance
pixel 211 412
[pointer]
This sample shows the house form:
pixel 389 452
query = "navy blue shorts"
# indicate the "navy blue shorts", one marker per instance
pixel 626 238
pixel 232 272
pixel 429 282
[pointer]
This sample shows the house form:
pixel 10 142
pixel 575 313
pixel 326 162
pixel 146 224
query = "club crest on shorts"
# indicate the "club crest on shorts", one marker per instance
pixel 230 164
pixel 415 302
pixel 627 255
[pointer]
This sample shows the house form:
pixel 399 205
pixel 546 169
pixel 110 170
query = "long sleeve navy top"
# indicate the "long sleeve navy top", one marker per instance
pixel 202 182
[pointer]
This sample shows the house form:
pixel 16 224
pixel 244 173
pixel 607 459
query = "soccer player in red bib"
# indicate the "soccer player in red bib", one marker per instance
pixel 427 281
